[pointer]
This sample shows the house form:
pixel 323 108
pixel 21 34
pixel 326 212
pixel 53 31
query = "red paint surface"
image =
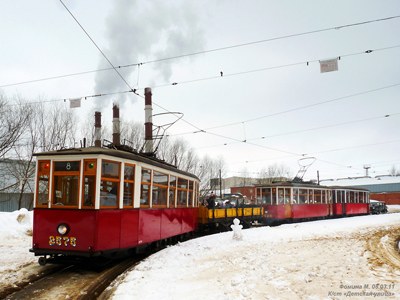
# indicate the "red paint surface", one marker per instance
pixel 301 211
pixel 356 208
pixel 101 230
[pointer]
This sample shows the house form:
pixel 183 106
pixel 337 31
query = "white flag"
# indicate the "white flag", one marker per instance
pixel 73 103
pixel 328 65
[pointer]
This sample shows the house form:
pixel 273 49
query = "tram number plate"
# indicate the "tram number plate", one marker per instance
pixel 67 241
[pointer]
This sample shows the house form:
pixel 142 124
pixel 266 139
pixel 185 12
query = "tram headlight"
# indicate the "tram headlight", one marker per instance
pixel 63 229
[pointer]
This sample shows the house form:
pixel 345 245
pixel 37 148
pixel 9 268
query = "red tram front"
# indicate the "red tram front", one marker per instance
pixel 290 201
pixel 97 202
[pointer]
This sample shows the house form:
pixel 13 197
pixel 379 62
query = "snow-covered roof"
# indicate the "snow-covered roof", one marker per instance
pixel 382 183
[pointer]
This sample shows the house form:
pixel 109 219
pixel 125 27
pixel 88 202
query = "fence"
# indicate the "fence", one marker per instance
pixel 9 201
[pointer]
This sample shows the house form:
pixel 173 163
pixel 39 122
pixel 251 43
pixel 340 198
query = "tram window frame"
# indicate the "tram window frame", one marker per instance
pixel 303 196
pixel 43 176
pixel 274 196
pixel 267 192
pixel 172 191
pixel 317 196
pixel 295 196
pixel 190 193
pixel 89 183
pixel 159 189
pixel 182 189
pixel 112 182
pixel 145 188
pixel 69 173
pixel 129 186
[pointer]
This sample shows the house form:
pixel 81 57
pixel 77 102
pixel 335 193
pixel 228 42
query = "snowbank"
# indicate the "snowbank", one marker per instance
pixel 310 260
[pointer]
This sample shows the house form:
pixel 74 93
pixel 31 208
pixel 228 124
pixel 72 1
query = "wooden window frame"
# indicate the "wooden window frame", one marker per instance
pixel 40 173
pixel 111 179
pixel 129 181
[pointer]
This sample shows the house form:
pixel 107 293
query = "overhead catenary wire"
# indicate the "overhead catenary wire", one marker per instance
pixel 138 64
pixel 308 129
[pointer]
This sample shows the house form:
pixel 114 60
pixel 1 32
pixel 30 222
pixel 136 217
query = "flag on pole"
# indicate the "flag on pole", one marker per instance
pixel 329 65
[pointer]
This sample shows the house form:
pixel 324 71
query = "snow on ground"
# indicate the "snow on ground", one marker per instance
pixel 331 259
pixel 327 259
pixel 15 241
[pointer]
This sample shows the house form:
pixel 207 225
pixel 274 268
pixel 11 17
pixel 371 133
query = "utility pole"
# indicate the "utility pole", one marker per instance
pixel 220 183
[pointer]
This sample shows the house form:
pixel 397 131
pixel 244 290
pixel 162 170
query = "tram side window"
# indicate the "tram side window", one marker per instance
pixel 190 202
pixel 317 196
pixel 172 190
pixel 182 192
pixel 295 198
pixel 89 183
pixel 160 189
pixel 284 195
pixel 274 196
pixel 129 176
pixel 109 184
pixel 42 196
pixel 266 196
pixel 145 188
pixel 303 196
pixel 66 183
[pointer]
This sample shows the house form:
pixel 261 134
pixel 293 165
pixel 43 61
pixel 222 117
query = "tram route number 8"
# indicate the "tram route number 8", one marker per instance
pixel 62 241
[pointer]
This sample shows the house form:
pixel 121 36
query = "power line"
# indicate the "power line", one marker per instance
pixel 308 129
pixel 98 48
pixel 188 54
pixel 294 109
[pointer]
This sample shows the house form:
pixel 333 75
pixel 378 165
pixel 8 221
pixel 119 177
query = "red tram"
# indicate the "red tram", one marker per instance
pixel 97 201
pixel 291 201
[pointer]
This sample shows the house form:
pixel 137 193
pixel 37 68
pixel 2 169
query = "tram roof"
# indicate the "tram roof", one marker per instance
pixel 117 153
pixel 308 184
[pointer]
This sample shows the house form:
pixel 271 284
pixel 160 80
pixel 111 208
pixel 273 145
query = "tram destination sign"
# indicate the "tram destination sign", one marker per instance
pixel 66 166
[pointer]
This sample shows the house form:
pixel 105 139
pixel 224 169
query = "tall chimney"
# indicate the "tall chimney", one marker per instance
pixel 116 125
pixel 97 129
pixel 148 125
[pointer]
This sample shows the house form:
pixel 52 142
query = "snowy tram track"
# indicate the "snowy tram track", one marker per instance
pixel 72 282
pixel 383 247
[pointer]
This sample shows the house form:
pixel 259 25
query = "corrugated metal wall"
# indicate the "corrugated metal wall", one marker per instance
pixel 9 201
pixel 381 188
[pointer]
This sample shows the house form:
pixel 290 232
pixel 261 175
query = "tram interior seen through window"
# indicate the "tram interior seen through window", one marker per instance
pixel 42 196
pixel 66 183
pixel 129 176
pixel 109 184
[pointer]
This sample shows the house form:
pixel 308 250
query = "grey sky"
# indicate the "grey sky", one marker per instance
pixel 283 113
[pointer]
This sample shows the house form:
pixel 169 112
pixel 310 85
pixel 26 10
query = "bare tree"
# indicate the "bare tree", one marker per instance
pixel 13 121
pixel 47 129
pixel 133 134
pixel 274 172
pixel 394 171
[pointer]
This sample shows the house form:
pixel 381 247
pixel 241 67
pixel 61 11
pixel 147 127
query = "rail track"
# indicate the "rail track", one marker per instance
pixel 70 282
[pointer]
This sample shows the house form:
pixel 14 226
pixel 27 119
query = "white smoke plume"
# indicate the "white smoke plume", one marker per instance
pixel 139 31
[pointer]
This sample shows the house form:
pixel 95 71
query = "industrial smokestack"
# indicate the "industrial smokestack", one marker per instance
pixel 148 125
pixel 116 125
pixel 97 129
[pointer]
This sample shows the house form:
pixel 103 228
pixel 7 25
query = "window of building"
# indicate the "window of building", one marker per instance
pixel 89 183
pixel 42 189
pixel 66 183
pixel 129 177
pixel 145 188
pixel 109 184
